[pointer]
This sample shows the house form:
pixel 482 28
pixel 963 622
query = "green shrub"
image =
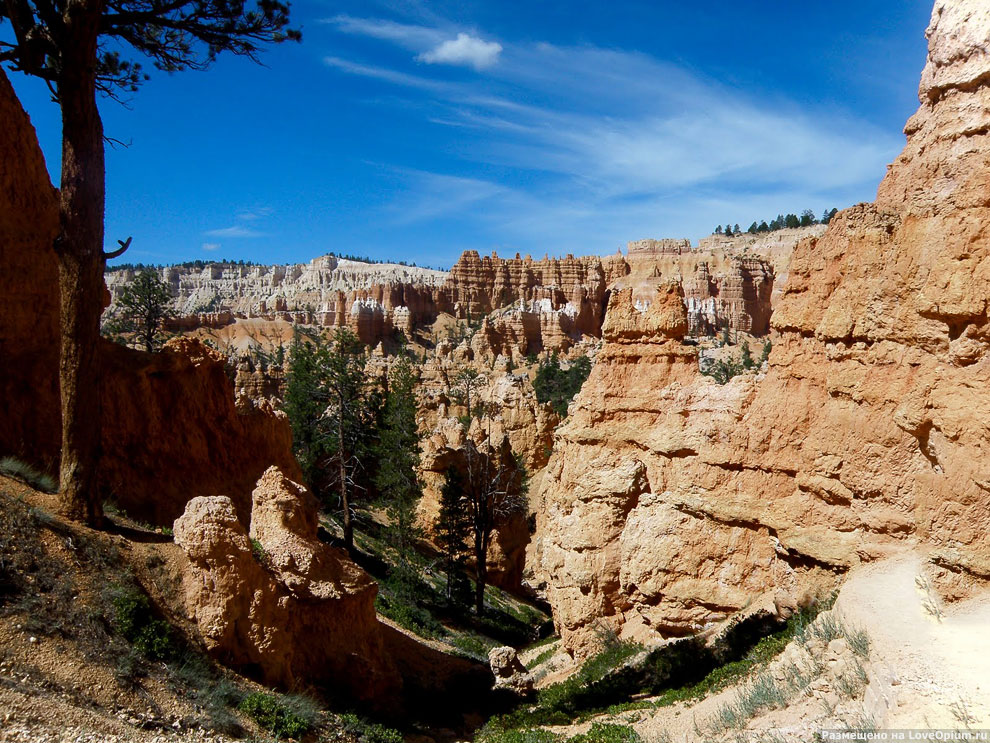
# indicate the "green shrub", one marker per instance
pixel 283 717
pixel 367 732
pixel 607 733
pixel 259 552
pixel 495 734
pixel 27 474
pixel 135 621
pixel 558 386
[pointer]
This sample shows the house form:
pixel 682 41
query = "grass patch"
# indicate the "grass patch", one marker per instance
pixel 282 716
pixel 195 677
pixel 27 474
pixel 541 658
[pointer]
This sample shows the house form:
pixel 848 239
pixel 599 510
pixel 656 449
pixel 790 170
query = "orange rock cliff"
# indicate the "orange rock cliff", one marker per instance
pixel 671 502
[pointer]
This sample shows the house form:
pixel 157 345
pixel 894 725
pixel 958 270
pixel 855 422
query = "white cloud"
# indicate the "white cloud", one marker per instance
pixel 466 50
pixel 411 37
pixel 235 231
pixel 211 246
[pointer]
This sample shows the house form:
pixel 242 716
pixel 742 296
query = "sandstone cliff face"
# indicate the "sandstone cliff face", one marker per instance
pixel 671 502
pixel 28 306
pixel 171 430
pixel 300 613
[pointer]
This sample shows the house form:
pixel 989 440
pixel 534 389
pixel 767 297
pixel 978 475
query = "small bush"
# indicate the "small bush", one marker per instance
pixel 281 717
pixel 197 679
pixel 259 552
pixel 367 732
pixel 607 733
pixel 27 474
pixel 517 735
pixel 137 624
pixel 859 641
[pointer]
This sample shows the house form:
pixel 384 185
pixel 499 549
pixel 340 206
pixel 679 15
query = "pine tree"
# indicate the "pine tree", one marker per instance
pixel 345 427
pixel 453 530
pixel 397 454
pixel 332 418
pixel 304 403
pixel 753 228
pixel 746 359
pixel 718 230
pixel 728 230
pixel 141 310
pixel 736 229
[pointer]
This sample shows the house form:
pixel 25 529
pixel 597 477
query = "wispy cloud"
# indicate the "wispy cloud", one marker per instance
pixel 414 38
pixel 466 50
pixel 585 137
pixel 383 73
pixel 211 246
pixel 436 195
pixel 235 231
pixel 252 215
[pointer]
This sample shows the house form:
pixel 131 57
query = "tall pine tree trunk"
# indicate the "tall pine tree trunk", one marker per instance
pixel 344 500
pixel 79 248
pixel 480 573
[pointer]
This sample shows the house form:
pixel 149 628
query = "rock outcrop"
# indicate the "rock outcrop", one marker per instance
pixel 509 672
pixel 171 430
pixel 672 502
pixel 295 610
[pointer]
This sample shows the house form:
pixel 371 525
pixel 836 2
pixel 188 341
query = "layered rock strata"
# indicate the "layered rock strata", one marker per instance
pixel 289 608
pixel 672 502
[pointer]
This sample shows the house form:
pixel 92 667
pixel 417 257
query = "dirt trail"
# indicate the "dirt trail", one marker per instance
pixel 928 673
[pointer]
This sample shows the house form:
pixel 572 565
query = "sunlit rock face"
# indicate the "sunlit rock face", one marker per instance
pixel 294 609
pixel 672 502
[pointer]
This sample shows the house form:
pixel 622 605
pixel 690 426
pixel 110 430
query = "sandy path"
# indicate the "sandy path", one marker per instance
pixel 936 673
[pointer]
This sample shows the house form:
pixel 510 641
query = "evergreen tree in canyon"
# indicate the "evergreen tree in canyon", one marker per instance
pixel 329 407
pixel 76 46
pixel 143 307
pixel 453 530
pixel 397 454
pixel 494 477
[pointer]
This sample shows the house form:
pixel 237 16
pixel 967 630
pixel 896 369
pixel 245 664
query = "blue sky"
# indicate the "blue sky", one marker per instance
pixel 408 130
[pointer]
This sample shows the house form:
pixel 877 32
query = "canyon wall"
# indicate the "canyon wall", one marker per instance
pixel 171 429
pixel 28 304
pixel 671 502
pixel 525 306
